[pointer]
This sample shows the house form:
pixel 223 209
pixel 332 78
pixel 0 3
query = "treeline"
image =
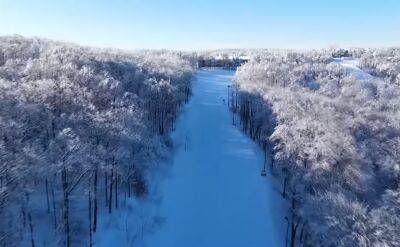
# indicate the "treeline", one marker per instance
pixel 79 128
pixel 334 141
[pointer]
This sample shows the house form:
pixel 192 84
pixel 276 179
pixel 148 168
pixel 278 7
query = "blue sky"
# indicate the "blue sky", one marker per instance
pixel 206 24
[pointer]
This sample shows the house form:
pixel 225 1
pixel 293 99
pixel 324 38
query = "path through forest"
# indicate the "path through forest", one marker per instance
pixel 215 195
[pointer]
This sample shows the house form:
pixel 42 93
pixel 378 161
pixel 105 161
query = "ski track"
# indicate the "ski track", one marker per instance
pixel 214 194
pixel 353 68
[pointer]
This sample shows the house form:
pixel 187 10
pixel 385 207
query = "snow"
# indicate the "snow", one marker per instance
pixel 128 226
pixel 352 67
pixel 214 194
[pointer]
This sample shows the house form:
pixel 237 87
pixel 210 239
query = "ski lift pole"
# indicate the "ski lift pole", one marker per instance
pixel 229 87
pixel 186 140
pixel 264 170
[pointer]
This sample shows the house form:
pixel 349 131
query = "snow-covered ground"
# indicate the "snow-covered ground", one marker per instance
pixel 214 194
pixel 352 66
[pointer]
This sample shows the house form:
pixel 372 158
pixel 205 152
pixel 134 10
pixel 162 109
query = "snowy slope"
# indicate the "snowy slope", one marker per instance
pixel 214 195
pixel 352 67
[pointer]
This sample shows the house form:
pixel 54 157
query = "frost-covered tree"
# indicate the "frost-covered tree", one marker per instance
pixel 334 140
pixel 79 125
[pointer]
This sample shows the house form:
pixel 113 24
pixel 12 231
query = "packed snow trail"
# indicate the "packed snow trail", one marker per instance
pixel 352 67
pixel 214 194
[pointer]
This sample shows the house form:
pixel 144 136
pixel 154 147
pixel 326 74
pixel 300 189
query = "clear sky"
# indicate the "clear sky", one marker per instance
pixel 206 24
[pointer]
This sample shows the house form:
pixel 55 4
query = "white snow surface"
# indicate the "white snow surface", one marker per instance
pixel 353 68
pixel 214 194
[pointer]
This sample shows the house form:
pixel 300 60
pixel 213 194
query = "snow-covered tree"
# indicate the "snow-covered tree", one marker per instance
pixel 79 124
pixel 334 139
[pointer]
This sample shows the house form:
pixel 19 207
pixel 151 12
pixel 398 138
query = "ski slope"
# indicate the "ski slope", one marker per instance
pixel 214 194
pixel 353 68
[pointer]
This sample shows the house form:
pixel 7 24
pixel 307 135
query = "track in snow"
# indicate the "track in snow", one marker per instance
pixel 353 68
pixel 215 195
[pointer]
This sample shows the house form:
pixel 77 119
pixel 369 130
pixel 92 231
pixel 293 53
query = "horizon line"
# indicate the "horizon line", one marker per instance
pixel 132 49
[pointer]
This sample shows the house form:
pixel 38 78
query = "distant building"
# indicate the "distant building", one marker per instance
pixel 222 62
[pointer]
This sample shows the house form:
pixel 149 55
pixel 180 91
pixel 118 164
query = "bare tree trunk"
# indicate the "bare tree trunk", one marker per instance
pixel 116 191
pixel 95 198
pixel 284 187
pixel 47 195
pixel 23 210
pixel 265 156
pixel 302 232
pixel 54 207
pixel 31 229
pixel 106 186
pixel 293 232
pixel 111 190
pixel 272 162
pixel 90 219
pixel 287 231
pixel 129 187
pixel 66 207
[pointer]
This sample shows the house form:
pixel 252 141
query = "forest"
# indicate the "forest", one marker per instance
pixel 83 130
pixel 332 132
pixel 80 129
